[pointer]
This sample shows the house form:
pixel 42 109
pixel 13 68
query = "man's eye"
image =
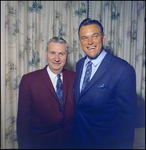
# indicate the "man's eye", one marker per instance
pixel 84 38
pixel 95 36
pixel 62 54
pixel 52 53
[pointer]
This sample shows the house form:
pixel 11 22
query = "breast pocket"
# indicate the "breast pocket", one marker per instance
pixel 99 96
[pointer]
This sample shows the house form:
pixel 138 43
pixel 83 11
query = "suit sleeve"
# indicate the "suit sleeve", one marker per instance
pixel 126 107
pixel 24 115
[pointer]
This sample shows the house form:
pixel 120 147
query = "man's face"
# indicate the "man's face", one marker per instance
pixel 56 56
pixel 91 40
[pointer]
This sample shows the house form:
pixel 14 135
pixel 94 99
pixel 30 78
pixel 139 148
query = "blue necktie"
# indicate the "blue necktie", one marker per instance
pixel 59 90
pixel 87 75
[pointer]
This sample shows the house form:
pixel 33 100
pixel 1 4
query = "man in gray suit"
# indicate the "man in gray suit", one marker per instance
pixel 105 94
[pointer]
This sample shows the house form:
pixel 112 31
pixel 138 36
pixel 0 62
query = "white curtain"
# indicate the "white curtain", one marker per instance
pixel 124 27
pixel 26 28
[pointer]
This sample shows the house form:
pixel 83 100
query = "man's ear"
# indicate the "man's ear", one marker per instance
pixel 46 53
pixel 104 38
pixel 67 56
pixel 80 43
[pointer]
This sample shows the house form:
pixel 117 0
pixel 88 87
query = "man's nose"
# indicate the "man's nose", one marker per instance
pixel 90 41
pixel 57 58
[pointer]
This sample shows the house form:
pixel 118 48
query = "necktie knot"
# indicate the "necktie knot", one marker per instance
pixel 58 76
pixel 89 63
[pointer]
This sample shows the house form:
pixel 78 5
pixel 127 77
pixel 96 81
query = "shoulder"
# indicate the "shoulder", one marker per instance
pixel 70 73
pixel 118 61
pixel 34 74
pixel 81 61
pixel 119 64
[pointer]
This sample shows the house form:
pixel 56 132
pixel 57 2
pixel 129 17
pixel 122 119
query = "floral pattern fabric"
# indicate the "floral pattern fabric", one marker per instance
pixel 28 25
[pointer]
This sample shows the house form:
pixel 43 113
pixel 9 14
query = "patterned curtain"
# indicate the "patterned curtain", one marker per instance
pixel 26 28
pixel 124 27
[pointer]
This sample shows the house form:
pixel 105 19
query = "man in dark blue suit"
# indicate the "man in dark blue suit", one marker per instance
pixel 106 101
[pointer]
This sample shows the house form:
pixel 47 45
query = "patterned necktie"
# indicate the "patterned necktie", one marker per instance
pixel 59 90
pixel 87 75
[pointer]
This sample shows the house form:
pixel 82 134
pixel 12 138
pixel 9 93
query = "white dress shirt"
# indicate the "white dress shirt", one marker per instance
pixel 53 77
pixel 95 64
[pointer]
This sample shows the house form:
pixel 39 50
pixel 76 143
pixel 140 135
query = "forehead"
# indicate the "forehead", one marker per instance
pixel 89 29
pixel 57 46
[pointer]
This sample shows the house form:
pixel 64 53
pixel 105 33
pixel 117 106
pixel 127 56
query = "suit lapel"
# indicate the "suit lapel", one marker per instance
pixel 78 78
pixel 48 83
pixel 100 71
pixel 66 82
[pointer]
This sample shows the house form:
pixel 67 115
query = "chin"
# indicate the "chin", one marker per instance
pixel 92 57
pixel 56 69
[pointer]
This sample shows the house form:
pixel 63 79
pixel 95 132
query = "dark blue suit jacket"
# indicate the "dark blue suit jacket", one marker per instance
pixel 105 110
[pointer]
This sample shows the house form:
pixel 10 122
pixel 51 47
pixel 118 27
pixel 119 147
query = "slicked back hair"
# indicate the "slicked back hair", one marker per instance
pixel 89 21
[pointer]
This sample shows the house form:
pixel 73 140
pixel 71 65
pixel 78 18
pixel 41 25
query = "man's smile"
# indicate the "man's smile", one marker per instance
pixel 91 48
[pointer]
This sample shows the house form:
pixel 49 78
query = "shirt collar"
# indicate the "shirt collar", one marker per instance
pixel 97 60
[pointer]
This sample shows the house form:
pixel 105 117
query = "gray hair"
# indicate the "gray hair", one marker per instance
pixel 57 40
